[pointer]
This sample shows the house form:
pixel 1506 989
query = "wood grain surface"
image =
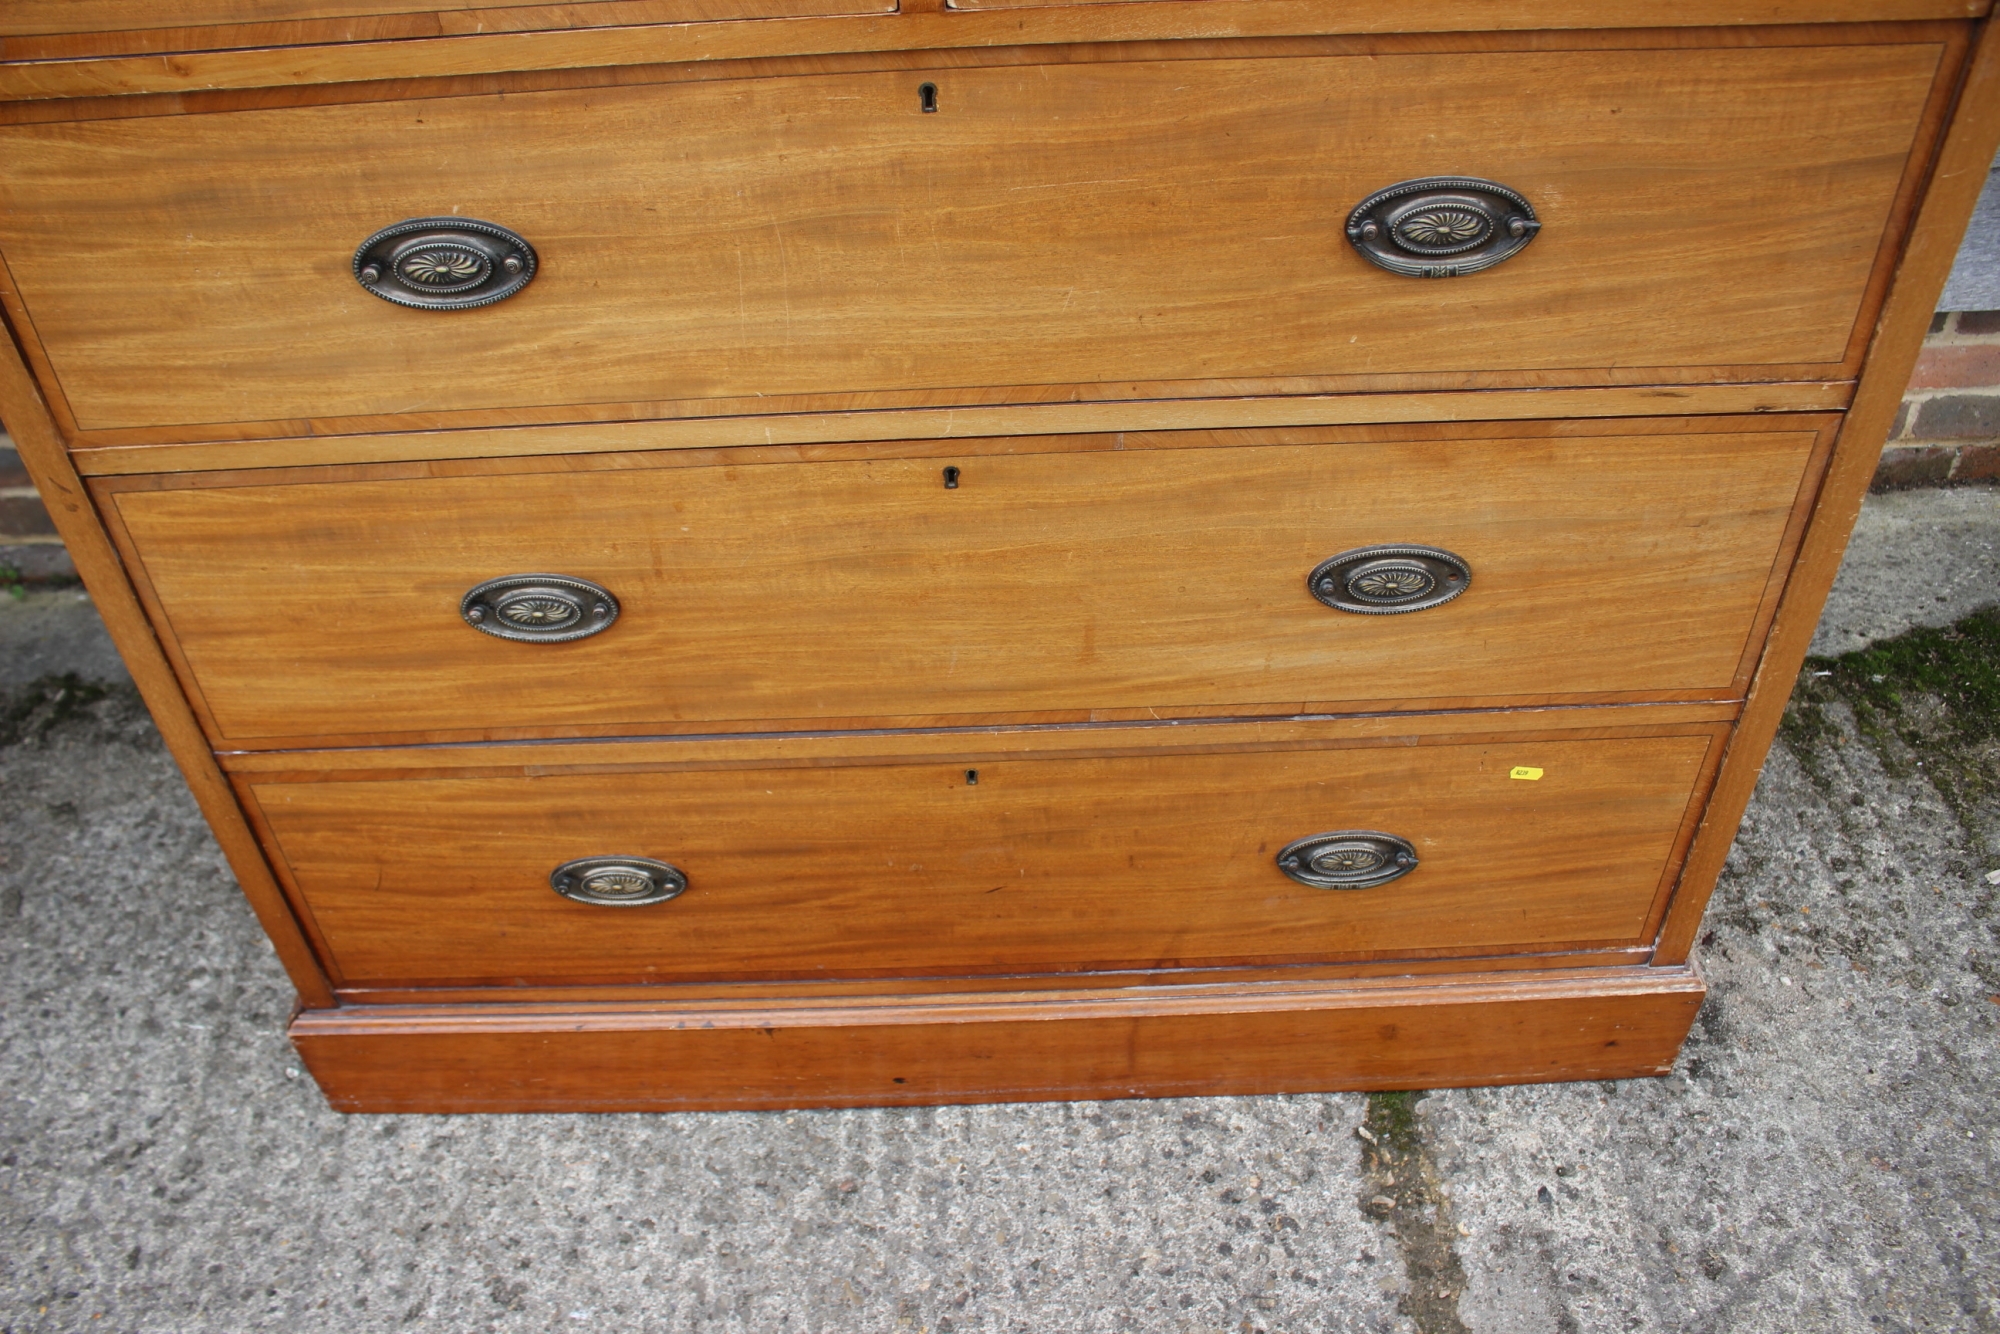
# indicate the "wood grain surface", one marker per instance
pixel 1160 1042
pixel 73 29
pixel 1151 579
pixel 246 22
pixel 971 745
pixel 1155 220
pixel 925 25
pixel 817 991
pixel 773 426
pixel 1037 865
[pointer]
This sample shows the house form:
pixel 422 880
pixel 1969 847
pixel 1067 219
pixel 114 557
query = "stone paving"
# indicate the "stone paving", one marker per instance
pixel 1823 1158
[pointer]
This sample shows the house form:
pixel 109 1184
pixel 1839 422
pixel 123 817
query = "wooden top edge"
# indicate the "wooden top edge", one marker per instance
pixel 961 423
pixel 1027 1006
pixel 913 29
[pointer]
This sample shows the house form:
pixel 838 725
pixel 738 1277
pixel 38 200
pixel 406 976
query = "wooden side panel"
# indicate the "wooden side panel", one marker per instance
pixel 1087 223
pixel 1608 1024
pixel 1961 171
pixel 1133 579
pixel 1023 865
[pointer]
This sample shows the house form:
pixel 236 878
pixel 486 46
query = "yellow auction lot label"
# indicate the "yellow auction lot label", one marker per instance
pixel 1524 772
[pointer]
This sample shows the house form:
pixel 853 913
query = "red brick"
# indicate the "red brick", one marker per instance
pixel 1979 322
pixel 1978 463
pixel 1902 469
pixel 1961 366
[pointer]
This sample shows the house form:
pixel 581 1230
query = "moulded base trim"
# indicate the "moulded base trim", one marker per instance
pixel 1160 1041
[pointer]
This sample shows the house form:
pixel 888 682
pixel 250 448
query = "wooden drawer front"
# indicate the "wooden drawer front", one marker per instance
pixel 1714 210
pixel 1134 579
pixel 1043 864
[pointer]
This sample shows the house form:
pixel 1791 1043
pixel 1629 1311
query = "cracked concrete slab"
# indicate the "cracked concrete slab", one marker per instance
pixel 47 632
pixel 1823 1158
pixel 1923 557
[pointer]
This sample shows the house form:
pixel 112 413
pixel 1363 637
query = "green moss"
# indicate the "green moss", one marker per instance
pixel 1392 1119
pixel 44 704
pixel 1805 727
pixel 1929 698
pixel 1958 665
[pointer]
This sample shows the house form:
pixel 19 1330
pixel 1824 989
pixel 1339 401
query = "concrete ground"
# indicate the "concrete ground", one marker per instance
pixel 1824 1157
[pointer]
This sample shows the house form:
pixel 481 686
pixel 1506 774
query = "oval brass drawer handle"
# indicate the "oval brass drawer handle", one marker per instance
pixel 539 608
pixel 618 882
pixel 1441 226
pixel 1348 859
pixel 444 263
pixel 1389 580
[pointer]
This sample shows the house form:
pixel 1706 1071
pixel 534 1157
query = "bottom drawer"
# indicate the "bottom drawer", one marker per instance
pixel 800 865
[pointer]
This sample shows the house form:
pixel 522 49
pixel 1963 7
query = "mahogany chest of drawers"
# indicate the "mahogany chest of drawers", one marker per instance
pixel 754 553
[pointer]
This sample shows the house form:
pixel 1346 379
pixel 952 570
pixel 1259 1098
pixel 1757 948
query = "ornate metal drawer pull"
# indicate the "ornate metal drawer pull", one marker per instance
pixel 539 608
pixel 1349 859
pixel 1386 581
pixel 618 882
pixel 1441 226
pixel 444 263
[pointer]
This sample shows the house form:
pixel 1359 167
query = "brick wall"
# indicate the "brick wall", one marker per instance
pixel 1949 429
pixel 1947 434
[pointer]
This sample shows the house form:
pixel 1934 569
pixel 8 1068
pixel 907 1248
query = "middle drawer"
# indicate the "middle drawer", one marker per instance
pixel 1631 562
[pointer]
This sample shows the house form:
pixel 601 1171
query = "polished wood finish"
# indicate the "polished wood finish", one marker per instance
pixel 1956 180
pixel 877 869
pixel 928 430
pixel 920 26
pixel 73 29
pixel 1082 739
pixel 1166 1042
pixel 1719 208
pixel 228 23
pixel 817 990
pixel 1106 282
pixel 1135 579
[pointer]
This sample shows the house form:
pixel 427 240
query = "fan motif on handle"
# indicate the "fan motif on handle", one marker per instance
pixel 1388 585
pixel 619 885
pixel 1441 226
pixel 435 268
pixel 1438 229
pixel 1337 859
pixel 540 613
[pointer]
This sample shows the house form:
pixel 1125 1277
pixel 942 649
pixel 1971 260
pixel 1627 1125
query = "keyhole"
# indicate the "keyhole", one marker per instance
pixel 951 479
pixel 927 96
pixel 972 778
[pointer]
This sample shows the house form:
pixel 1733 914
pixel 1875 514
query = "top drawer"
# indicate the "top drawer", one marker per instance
pixel 1116 228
